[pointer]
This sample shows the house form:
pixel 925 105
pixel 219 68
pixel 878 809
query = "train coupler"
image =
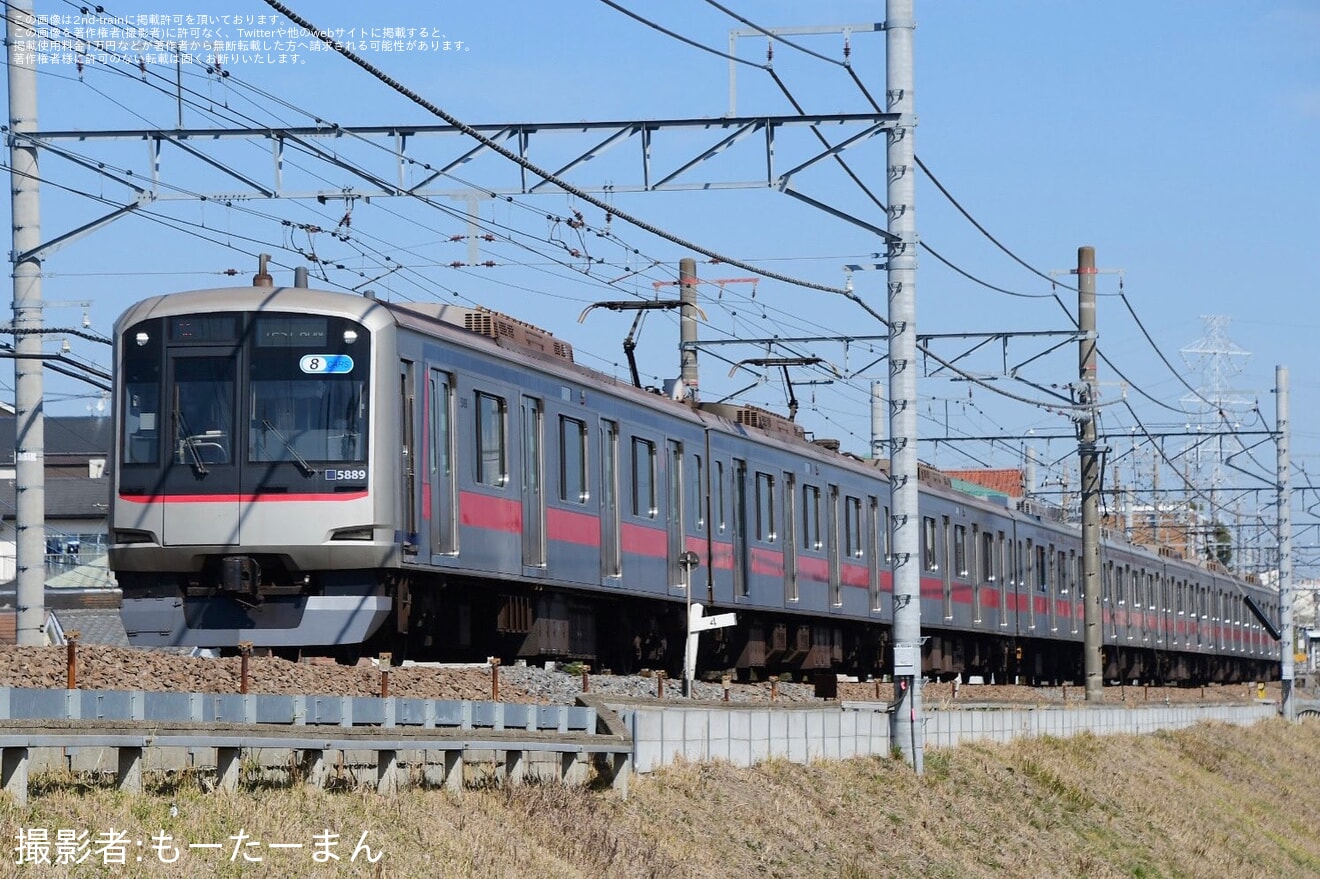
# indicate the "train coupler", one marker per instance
pixel 240 574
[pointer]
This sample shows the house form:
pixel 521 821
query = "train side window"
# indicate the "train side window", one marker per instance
pixel 928 544
pixel 643 479
pixel 765 507
pixel 887 530
pixel 492 449
pixel 1042 570
pixel 573 460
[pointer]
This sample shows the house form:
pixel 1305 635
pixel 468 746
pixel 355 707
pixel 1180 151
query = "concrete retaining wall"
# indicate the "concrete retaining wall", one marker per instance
pixel 747 735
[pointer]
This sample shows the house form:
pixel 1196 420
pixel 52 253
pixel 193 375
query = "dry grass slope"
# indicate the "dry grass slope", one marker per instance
pixel 1213 801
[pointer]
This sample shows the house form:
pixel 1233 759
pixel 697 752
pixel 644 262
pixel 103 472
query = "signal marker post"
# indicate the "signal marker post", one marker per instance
pixel 696 622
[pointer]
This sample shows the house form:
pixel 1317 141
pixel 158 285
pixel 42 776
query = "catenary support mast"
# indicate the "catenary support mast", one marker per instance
pixel 906 724
pixel 1286 643
pixel 1092 625
pixel 29 440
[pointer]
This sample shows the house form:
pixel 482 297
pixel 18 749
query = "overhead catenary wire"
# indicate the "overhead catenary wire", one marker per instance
pixel 501 150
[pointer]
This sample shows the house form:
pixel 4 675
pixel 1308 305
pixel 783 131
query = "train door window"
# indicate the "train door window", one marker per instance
pixel 202 412
pixel 1055 563
pixel 674 509
pixel 765 508
pixel 533 498
pixel 945 545
pixel 719 496
pixel 832 525
pixel 1042 570
pixel 611 556
pixel 643 479
pixel 960 551
pixel 492 455
pixel 1001 548
pixel 873 550
pixel 1028 578
pixel 408 445
pixel 440 463
pixel 852 527
pixel 988 557
pixel 977 574
pixel 928 556
pixel 1076 585
pixel 1219 619
pixel 1107 596
pixel 811 517
pixel 1178 596
pixel 699 496
pixel 573 461
pixel 790 538
pixel 887 536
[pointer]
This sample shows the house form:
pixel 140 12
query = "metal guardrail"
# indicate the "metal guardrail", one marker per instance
pixel 411 739
pixel 22 703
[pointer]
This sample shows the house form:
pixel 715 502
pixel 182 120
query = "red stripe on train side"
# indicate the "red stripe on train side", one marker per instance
pixel 495 513
pixel 767 562
pixel 240 498
pixel 641 540
pixel 568 526
pixel 855 576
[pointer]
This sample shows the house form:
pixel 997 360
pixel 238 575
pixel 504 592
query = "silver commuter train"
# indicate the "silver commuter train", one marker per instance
pixel 315 471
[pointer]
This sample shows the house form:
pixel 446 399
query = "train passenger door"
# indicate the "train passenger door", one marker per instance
pixel 674 515
pixel 611 560
pixel 741 584
pixel 790 539
pixel 200 400
pixel 833 536
pixel 408 447
pixel 440 464
pixel 533 496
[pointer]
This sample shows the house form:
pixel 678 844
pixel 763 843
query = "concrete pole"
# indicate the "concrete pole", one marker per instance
pixel 877 420
pixel 906 729
pixel 1029 474
pixel 1092 625
pixel 30 439
pixel 687 325
pixel 1286 647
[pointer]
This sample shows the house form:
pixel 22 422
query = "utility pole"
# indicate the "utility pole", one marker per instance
pixel 905 729
pixel 29 427
pixel 1286 647
pixel 1093 626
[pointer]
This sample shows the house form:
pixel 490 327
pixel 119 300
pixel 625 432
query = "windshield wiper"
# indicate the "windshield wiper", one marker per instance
pixel 189 442
pixel 307 469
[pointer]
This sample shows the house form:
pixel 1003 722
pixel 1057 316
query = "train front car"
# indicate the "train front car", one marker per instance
pixel 245 504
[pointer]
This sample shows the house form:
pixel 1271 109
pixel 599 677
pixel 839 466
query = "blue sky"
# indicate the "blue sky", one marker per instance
pixel 1178 138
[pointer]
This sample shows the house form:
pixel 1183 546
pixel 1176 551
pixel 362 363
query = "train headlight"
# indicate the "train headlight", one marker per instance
pixel 142 339
pixel 350 336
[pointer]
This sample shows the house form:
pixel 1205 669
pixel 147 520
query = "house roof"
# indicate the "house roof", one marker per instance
pixel 70 438
pixel 1007 481
pixel 66 498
